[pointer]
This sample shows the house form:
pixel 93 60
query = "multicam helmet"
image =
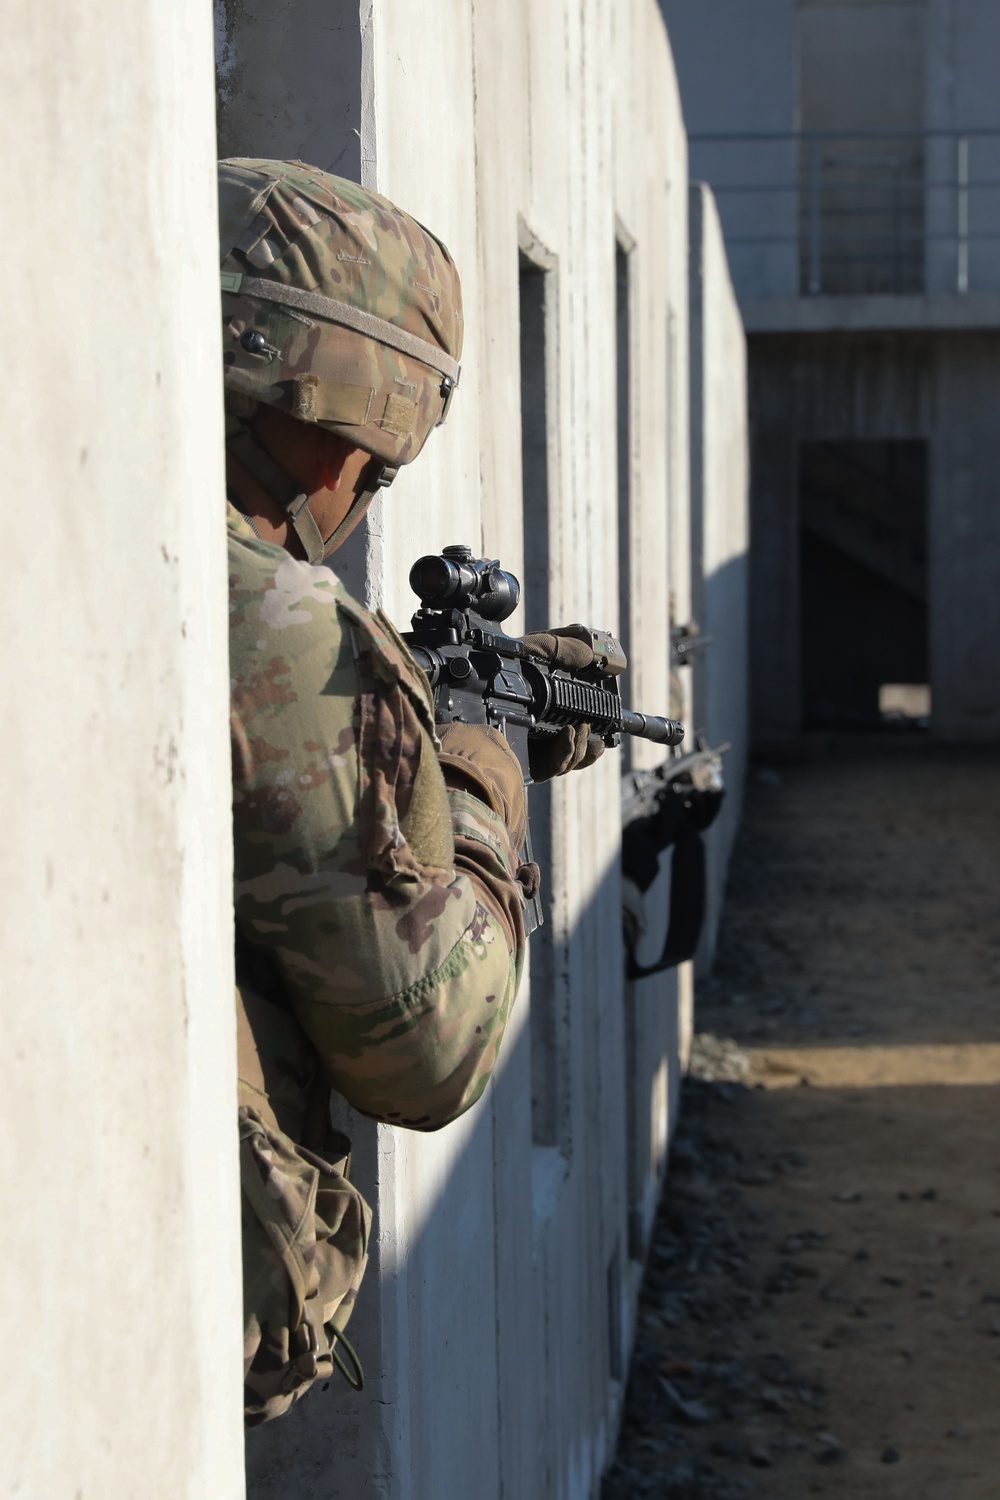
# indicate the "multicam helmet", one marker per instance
pixel 338 308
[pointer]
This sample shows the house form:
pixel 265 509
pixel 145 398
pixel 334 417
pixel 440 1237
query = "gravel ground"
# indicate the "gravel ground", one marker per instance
pixel 821 1308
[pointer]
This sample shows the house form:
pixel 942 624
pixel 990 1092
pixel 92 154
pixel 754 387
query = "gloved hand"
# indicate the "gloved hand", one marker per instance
pixel 572 749
pixel 479 760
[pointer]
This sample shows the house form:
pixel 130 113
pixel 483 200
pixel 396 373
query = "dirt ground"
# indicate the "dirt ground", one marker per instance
pixel 821 1312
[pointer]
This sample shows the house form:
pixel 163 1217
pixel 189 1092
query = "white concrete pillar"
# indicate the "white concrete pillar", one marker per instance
pixel 720 499
pixel 119 1238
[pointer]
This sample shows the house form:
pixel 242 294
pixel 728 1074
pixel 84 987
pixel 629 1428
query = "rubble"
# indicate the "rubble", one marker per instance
pixel 717 1059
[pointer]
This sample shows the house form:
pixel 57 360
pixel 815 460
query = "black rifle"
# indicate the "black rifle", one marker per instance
pixel 482 676
pixel 671 807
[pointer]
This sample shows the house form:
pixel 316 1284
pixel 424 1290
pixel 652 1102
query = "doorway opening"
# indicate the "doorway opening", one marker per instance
pixel 864 585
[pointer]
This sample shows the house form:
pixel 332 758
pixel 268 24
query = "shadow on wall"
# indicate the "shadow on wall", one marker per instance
pixel 495 1320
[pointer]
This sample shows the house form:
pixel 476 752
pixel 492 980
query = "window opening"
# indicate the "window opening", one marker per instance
pixel 548 958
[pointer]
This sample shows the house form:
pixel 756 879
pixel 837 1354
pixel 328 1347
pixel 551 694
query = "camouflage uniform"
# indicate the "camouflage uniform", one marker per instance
pixel 387 905
pixel 380 934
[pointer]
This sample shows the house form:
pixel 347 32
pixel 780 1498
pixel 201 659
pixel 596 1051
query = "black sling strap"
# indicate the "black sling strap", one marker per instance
pixel 687 906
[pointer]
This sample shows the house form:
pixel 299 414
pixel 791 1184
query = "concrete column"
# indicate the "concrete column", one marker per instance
pixel 776 694
pixel 965 539
pixel 119 1240
pixel 720 477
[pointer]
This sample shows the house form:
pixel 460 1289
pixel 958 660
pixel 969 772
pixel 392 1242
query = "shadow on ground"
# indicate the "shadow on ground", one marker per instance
pixel 821 1311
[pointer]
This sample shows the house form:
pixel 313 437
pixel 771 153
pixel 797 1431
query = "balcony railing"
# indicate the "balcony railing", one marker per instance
pixel 858 213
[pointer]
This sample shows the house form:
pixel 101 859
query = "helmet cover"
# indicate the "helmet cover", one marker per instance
pixel 338 307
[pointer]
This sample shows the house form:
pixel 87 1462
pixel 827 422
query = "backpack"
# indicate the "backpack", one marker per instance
pixel 305 1225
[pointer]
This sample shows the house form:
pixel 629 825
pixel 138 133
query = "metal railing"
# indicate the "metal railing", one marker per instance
pixel 864 211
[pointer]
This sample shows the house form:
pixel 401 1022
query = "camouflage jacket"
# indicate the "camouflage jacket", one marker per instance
pixel 383 907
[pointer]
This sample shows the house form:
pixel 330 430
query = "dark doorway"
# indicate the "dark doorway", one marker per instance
pixel 863 577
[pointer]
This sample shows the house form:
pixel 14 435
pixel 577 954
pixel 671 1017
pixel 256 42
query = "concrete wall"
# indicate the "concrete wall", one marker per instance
pixel 935 387
pixel 119 1240
pixel 963 59
pixel 720 522
pixel 497 1317
pixel 738 68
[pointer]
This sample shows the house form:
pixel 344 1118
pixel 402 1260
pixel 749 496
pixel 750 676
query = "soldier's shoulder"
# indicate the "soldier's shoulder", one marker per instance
pixel 283 604
pixel 273 590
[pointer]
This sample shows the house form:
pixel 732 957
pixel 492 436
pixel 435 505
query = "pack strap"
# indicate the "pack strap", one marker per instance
pixel 353 1373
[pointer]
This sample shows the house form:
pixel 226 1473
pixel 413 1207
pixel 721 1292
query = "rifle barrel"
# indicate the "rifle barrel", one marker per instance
pixel 651 727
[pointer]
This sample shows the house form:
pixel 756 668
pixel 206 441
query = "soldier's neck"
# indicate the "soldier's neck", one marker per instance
pixel 263 512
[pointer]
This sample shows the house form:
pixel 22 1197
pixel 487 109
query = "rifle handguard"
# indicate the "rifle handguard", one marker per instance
pixel 481 675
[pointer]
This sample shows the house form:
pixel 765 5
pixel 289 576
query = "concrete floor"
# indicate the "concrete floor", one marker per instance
pixel 821 1312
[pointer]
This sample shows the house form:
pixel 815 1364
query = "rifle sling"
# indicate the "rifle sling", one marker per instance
pixel 687 906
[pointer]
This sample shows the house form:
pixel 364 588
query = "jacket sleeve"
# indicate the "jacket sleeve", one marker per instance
pixel 388 906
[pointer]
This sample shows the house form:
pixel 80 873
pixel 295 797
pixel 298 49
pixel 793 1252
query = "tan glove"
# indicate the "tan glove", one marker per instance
pixel 479 760
pixel 572 749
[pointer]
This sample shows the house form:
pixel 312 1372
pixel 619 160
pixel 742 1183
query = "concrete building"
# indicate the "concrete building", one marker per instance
pixel 546 146
pixel 853 146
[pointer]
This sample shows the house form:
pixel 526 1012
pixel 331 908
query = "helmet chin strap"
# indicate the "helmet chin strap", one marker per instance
pixel 288 493
pixel 382 477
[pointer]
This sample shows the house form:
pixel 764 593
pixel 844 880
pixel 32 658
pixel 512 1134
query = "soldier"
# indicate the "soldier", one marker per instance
pixel 378 884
